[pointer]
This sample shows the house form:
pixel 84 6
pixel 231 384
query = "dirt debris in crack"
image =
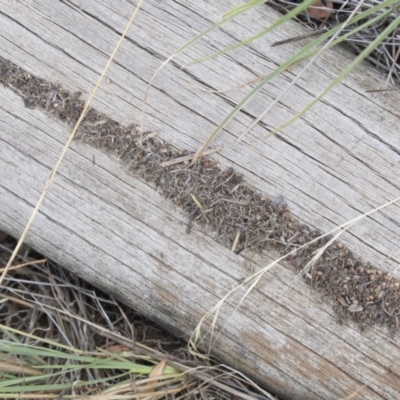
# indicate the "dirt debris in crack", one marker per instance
pixel 230 207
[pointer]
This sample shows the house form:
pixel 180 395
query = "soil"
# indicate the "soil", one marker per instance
pixel 222 201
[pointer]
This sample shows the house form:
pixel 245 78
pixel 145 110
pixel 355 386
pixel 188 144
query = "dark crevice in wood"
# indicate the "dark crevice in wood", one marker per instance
pixel 223 202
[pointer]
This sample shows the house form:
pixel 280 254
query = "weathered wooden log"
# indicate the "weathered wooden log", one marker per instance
pixel 117 230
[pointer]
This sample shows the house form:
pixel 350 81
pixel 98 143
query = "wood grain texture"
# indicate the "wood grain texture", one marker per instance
pixel 338 161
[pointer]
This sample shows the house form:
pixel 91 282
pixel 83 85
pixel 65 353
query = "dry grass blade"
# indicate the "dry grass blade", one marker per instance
pixel 384 55
pixel 67 144
pixel 13 268
pixel 298 76
pixel 364 16
pixel 19 369
pixel 185 159
pixel 199 338
pixel 228 204
pixel 70 320
pixel 392 27
pixel 226 18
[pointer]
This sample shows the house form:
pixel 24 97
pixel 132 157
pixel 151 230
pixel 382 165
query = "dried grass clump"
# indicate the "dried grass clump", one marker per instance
pixel 62 338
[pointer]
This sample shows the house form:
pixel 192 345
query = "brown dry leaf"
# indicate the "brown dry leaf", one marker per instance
pixel 151 384
pixel 321 9
pixel 158 369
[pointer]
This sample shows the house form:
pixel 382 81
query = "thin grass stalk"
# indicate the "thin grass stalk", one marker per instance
pixel 227 17
pixel 197 338
pixel 303 54
pixel 285 18
pixel 363 55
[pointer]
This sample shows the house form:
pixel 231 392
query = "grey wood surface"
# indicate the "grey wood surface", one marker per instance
pixel 338 161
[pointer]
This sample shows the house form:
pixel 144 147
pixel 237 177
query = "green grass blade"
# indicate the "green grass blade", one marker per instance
pixel 358 17
pixel 315 54
pixel 290 15
pixel 197 202
pixel 379 39
pixel 305 53
pixel 8 330
pixel 244 7
pixel 19 386
pixel 227 17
